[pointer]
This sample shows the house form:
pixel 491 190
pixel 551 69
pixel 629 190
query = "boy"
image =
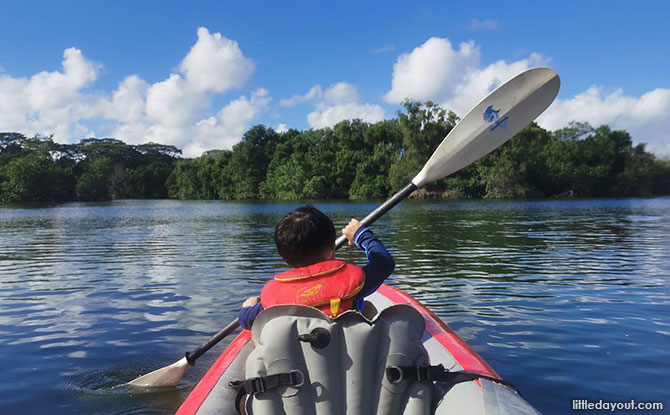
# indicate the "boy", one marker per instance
pixel 305 239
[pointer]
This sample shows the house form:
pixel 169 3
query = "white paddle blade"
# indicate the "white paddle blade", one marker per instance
pixel 496 119
pixel 167 376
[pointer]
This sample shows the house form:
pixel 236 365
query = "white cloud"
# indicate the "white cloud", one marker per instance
pixel 341 102
pixel 51 102
pixel 478 83
pixel 341 93
pixel 169 111
pixel 329 116
pixel 647 118
pixel 228 126
pixel 221 131
pixel 313 94
pixel 241 111
pixel 453 78
pixel 47 90
pixel 281 128
pixel 128 101
pixel 176 110
pixel 14 103
pixel 173 103
pixel 383 49
pixel 137 132
pixel 216 63
pixel 432 71
pixel 486 24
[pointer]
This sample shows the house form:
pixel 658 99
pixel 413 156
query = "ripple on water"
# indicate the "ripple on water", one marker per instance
pixel 561 298
pixel 100 388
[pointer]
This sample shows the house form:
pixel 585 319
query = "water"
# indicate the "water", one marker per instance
pixel 566 299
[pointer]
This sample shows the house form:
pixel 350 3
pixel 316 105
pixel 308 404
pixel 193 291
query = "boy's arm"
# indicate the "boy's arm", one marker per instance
pixel 381 263
pixel 248 313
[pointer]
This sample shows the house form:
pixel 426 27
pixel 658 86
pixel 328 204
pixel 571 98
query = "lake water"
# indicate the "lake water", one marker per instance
pixel 566 299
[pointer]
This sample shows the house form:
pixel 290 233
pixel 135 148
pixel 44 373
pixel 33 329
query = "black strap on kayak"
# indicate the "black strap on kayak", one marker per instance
pixel 396 374
pixel 260 384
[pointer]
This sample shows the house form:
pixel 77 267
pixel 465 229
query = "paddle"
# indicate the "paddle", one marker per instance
pixel 498 117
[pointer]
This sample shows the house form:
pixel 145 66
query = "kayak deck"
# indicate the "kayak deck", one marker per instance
pixel 213 395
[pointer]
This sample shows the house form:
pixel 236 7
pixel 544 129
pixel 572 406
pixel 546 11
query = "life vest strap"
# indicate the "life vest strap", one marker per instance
pixel 395 374
pixel 260 384
pixel 329 286
pixel 335 306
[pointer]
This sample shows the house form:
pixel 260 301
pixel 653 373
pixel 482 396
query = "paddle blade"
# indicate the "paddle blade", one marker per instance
pixel 503 113
pixel 167 376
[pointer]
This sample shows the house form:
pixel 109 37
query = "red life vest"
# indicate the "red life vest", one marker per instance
pixel 329 286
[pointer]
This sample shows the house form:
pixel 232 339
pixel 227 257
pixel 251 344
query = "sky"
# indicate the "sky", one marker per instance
pixel 198 74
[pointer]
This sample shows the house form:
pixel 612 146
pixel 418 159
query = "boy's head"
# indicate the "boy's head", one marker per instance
pixel 305 236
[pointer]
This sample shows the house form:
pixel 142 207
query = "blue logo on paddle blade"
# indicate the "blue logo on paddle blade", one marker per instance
pixel 491 116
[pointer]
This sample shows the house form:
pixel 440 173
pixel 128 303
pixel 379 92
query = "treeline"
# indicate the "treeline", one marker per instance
pixel 353 160
pixel 37 169
pixel 357 160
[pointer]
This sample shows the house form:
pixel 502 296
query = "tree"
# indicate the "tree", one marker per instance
pixel 424 126
pixel 353 159
pixel 286 173
pixel 250 159
pixel 95 183
pixel 11 142
pixel 518 168
pixel 183 181
pixel 34 178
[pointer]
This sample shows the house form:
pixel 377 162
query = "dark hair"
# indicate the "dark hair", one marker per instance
pixel 303 236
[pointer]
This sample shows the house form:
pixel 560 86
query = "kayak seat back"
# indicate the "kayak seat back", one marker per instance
pixel 341 371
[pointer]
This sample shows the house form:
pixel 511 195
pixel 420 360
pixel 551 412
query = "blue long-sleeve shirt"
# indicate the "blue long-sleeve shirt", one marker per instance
pixel 380 265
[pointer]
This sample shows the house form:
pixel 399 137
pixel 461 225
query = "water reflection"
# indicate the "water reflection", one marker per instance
pixel 559 297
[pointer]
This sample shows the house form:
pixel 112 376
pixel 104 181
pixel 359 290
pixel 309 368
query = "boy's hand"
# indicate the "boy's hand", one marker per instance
pixel 251 301
pixel 350 230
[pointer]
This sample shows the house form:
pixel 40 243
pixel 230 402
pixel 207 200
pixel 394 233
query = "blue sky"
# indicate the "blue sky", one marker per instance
pixel 198 74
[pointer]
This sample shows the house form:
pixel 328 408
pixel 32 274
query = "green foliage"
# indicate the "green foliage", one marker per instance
pixel 285 176
pixel 30 173
pixel 96 181
pixel 517 170
pixel 36 169
pixel 466 184
pixel 353 159
pixel 147 181
pixel 423 127
pixel 33 178
pixel 247 167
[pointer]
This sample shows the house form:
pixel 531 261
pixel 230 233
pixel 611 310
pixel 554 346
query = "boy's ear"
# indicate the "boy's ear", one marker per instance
pixel 329 254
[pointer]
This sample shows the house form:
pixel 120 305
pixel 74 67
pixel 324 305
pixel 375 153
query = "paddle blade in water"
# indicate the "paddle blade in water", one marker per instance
pixel 167 376
pixel 503 113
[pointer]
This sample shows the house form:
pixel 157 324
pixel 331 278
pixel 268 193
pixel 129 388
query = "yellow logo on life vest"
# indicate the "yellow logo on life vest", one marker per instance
pixel 308 291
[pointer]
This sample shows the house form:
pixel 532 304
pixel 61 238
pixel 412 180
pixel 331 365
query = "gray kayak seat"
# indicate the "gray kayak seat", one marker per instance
pixel 347 375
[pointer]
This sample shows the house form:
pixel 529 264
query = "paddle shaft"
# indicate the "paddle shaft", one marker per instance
pixel 368 220
pixel 192 356
pixel 381 210
pixel 533 103
pixel 523 98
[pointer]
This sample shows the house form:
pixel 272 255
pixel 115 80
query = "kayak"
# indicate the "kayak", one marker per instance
pixel 471 386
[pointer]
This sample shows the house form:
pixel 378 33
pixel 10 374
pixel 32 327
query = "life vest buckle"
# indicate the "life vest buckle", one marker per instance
pixel 422 374
pixel 396 374
pixel 254 385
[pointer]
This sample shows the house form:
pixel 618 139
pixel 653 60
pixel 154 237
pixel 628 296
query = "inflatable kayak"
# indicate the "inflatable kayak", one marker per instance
pixel 395 358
